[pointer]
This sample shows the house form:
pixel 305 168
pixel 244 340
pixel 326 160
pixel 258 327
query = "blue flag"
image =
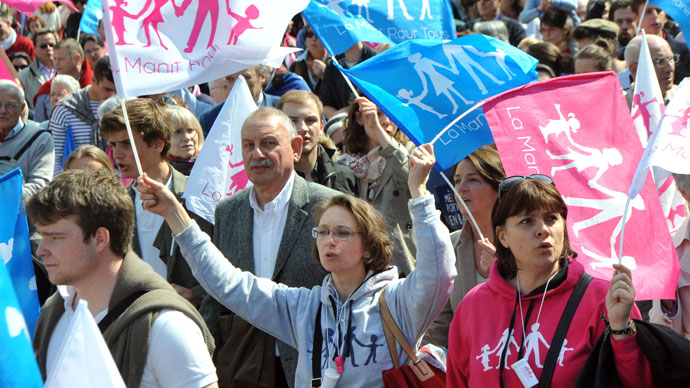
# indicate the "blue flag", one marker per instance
pixel 93 13
pixel 70 145
pixel 679 10
pixel 18 366
pixel 15 247
pixel 340 26
pixel 423 85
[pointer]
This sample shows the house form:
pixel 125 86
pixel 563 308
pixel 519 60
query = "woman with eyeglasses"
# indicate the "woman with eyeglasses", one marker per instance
pixel 311 64
pixel 503 330
pixel 376 152
pixel 476 179
pixel 340 321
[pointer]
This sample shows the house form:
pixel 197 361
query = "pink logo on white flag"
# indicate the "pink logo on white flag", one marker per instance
pixel 160 46
pixel 27 7
pixel 219 170
pixel 670 148
pixel 590 151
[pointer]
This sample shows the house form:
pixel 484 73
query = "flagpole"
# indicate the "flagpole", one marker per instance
pixel 639 25
pixel 131 137
pixel 349 83
pixel 625 215
pixel 469 214
pixel 449 126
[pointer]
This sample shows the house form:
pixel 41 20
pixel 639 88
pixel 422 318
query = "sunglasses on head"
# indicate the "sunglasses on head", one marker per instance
pixel 510 182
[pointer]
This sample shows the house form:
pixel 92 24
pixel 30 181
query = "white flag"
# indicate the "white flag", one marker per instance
pixel 159 45
pixel 647 110
pixel 219 171
pixel 84 359
pixel 670 145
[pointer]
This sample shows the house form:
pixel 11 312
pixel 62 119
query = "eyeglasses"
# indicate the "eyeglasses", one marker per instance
pixel 20 67
pixel 341 234
pixel 661 61
pixel 510 182
pixel 10 106
pixel 46 45
pixel 309 34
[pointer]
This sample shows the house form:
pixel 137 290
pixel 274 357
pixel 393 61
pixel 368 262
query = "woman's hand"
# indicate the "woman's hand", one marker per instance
pixel 369 119
pixel 317 68
pixel 620 299
pixel 487 255
pixel 421 162
pixel 158 199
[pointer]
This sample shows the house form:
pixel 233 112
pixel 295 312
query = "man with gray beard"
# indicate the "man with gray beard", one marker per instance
pixel 275 215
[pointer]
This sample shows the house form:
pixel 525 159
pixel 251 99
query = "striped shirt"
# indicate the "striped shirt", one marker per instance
pixel 60 119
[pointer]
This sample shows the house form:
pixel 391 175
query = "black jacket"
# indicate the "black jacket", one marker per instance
pixel 336 176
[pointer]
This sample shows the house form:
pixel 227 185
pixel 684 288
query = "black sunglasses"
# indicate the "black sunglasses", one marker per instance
pixel 45 45
pixel 309 34
pixel 20 67
pixel 510 182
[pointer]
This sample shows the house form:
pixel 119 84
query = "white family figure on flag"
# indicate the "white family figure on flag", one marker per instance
pixel 426 8
pixel 404 94
pixel 6 250
pixel 15 323
pixel 587 158
pixel 401 3
pixel 334 5
pixel 560 126
pixel 360 4
pixel 425 67
pixel 459 53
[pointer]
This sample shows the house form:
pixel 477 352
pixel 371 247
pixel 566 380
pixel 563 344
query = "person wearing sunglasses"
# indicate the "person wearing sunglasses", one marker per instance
pixel 311 64
pixel 476 178
pixel 43 67
pixel 503 329
pixel 342 317
pixel 20 60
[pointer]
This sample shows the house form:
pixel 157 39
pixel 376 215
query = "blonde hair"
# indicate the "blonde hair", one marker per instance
pixel 92 152
pixel 183 118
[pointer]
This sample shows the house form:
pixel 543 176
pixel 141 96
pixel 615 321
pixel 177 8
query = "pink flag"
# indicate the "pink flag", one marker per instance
pixel 27 7
pixel 591 151
pixel 161 45
pixel 647 109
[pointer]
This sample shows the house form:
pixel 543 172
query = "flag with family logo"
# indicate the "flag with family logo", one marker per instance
pixel 18 366
pixel 679 10
pixel 28 7
pixel 219 170
pixel 83 358
pixel 424 85
pixel 647 109
pixel 93 13
pixel 166 45
pixel 15 247
pixel 340 24
pixel 548 128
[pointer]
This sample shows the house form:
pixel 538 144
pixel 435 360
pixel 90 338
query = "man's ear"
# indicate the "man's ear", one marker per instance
pixel 101 239
pixel 296 144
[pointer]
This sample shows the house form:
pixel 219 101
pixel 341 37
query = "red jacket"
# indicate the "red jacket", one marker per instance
pixel 22 44
pixel 480 324
pixel 84 80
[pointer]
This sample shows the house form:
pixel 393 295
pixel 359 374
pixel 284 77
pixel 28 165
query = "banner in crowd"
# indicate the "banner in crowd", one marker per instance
pixel 15 247
pixel 646 110
pixel 219 170
pixel 340 26
pixel 28 7
pixel 18 366
pixel 591 151
pixel 679 10
pixel 164 46
pixel 670 145
pixel 93 13
pixel 83 358
pixel 424 85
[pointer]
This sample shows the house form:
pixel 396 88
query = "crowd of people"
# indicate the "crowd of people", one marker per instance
pixel 285 288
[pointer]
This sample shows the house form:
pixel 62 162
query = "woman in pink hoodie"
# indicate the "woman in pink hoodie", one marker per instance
pixel 505 327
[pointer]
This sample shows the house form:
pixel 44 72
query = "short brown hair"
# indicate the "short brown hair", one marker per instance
pixel 300 97
pixel 97 199
pixel 488 164
pixel 526 197
pixel 370 223
pixel 146 117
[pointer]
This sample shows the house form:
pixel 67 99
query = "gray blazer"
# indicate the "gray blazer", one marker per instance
pixel 232 234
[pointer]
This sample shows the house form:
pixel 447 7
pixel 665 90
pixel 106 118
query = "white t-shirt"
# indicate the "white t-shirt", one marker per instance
pixel 148 225
pixel 176 357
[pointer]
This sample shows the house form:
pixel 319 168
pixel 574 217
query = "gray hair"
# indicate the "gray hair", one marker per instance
pixel 266 112
pixel 682 182
pixel 66 80
pixel 7 85
pixel 494 28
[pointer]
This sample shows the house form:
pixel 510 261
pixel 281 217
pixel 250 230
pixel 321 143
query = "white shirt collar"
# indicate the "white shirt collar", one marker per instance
pixel 279 202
